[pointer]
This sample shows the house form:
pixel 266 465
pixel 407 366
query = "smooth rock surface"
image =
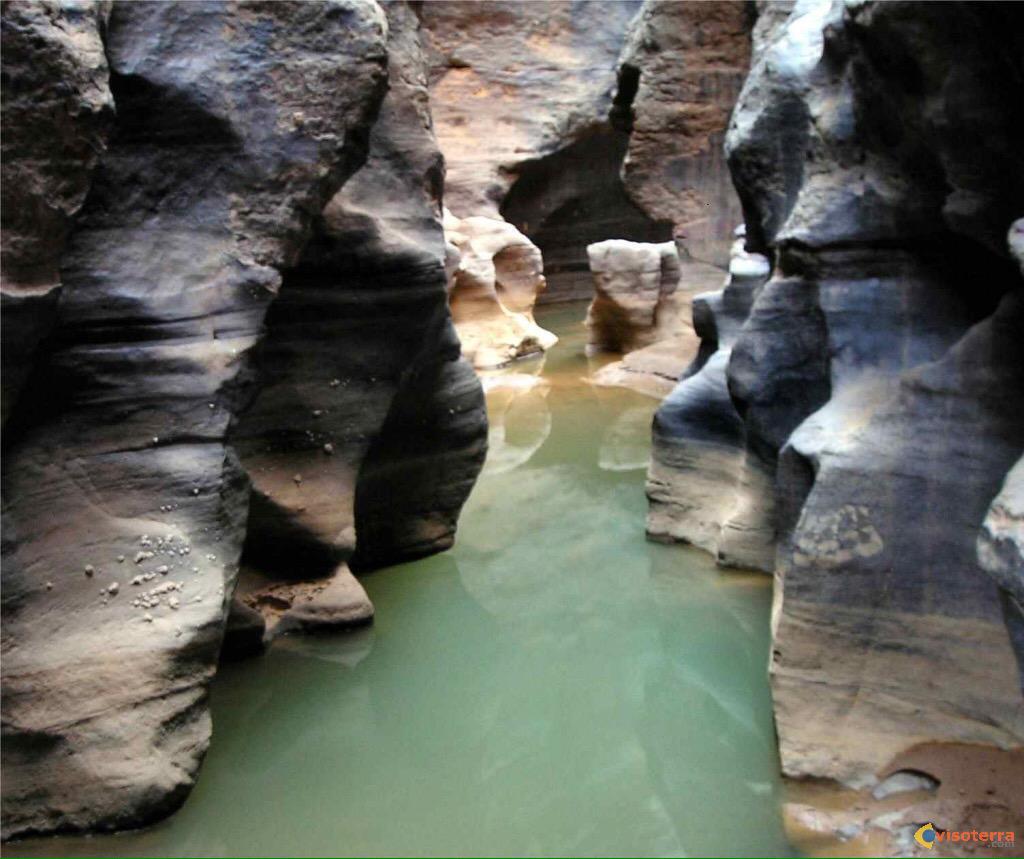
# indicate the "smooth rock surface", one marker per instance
pixel 496 275
pixel 634 283
pixel 235 124
pixel 877 376
pixel 680 71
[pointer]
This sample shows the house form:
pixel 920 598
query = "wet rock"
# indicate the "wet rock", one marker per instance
pixel 340 604
pixel 203 196
pixel 703 486
pixel 492 290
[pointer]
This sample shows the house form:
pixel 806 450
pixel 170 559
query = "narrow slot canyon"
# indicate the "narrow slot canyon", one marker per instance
pixel 578 428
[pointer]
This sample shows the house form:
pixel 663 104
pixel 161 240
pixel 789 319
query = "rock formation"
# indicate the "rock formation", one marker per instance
pixel 495 276
pixel 53 137
pixel 679 74
pixel 876 380
pixel 704 486
pixel 634 284
pixel 534 112
pixel 125 507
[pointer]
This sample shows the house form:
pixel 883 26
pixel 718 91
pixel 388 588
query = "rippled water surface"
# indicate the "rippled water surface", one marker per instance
pixel 553 686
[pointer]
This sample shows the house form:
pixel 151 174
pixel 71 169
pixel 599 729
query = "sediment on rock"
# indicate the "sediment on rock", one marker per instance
pixel 876 376
pixel 124 510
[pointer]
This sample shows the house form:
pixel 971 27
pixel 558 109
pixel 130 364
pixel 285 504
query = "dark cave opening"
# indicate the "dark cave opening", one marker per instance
pixel 571 198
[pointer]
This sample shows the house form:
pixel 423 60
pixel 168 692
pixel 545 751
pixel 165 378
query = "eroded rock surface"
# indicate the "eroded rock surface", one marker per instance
pixel 877 377
pixel 680 72
pixel 703 486
pixel 57 113
pixel 124 510
pixel 634 284
pixel 496 275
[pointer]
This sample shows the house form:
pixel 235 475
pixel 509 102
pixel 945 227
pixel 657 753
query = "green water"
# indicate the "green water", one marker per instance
pixel 553 686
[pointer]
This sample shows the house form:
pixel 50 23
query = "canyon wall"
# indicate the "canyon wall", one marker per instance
pixel 584 121
pixel 876 379
pixel 228 131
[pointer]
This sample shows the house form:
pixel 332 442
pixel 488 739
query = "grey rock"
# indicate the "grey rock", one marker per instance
pixel 205 193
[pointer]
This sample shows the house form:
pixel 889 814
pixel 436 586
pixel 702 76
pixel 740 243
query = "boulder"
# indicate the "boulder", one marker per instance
pixel 495 278
pixel 633 286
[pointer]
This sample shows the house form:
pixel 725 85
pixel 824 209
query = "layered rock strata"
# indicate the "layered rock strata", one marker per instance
pixel 680 72
pixel 57 113
pixel 703 486
pixel 535 113
pixel 495 277
pixel 876 378
pixel 125 507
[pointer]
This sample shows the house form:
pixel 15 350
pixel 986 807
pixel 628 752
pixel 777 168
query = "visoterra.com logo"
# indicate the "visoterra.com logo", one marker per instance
pixel 928 835
pixel 925 836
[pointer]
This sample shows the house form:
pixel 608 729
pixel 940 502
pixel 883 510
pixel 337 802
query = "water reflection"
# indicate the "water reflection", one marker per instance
pixel 555 685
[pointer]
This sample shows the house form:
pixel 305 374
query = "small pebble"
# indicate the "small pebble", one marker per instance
pixel 156 439
pixel 163 569
pixel 49 586
pixel 120 559
pixel 317 412
pixel 297 478
pixel 195 491
pixel 329 449
pixel 173 603
pixel 335 382
pixel 113 588
pixel 147 617
pixel 89 570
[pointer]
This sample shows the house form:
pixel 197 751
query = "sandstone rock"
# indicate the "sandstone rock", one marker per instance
pixel 656 369
pixel 57 113
pixel 206 191
pixel 877 376
pixel 243 632
pixel 492 291
pixel 680 72
pixel 340 604
pixel 361 342
pixel 633 283
pixel 703 486
pixel 521 95
pixel 1001 554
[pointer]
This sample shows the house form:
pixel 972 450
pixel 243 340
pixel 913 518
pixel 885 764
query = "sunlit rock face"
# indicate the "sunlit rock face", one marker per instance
pixel 878 375
pixel 495 277
pixel 125 505
pixel 680 73
pixel 360 334
pixel 703 486
pixel 534 106
pixel 633 284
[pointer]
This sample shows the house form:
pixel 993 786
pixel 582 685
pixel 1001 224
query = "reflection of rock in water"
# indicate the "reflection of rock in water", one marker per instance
pixel 626 444
pixel 519 418
pixel 348 650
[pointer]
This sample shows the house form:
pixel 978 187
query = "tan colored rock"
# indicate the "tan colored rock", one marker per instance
pixel 654 370
pixel 679 75
pixel 632 285
pixel 340 603
pixel 492 290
